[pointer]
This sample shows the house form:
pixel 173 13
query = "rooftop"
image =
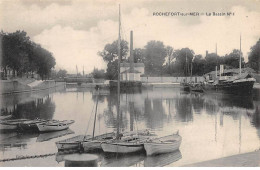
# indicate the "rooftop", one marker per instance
pixel 128 71
pixel 128 64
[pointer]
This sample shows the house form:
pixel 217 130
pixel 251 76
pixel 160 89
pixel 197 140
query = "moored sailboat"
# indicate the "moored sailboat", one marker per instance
pixel 85 142
pixel 129 143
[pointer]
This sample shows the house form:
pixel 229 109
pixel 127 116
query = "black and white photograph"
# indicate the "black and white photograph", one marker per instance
pixel 141 83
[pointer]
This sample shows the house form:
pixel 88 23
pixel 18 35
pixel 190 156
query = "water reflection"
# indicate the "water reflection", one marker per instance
pixel 157 107
pixel 132 160
pixel 30 105
pixel 223 124
pixel 162 159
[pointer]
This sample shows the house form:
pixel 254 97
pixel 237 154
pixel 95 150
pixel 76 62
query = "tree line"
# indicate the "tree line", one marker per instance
pixel 23 56
pixel 161 60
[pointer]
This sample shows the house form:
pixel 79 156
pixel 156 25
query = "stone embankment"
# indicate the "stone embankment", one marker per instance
pixel 16 86
pixel 251 159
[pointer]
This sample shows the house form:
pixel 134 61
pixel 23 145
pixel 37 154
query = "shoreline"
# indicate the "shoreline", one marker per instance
pixel 250 159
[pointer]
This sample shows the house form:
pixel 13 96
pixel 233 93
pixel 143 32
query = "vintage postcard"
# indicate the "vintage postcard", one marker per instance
pixel 142 83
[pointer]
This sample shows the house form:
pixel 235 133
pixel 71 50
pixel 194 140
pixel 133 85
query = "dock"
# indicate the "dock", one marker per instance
pixel 251 159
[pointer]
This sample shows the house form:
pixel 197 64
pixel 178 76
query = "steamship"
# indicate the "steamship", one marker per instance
pixel 235 81
pixel 230 81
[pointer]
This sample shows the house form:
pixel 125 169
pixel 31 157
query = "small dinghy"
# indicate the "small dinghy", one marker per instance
pixel 54 125
pixel 164 144
pixel 127 144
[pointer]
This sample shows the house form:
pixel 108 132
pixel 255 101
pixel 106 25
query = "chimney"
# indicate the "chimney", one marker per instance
pixel 131 53
pixel 207 53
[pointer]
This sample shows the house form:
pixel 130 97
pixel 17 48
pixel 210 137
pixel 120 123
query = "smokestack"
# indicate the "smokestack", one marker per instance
pixel 207 53
pixel 131 53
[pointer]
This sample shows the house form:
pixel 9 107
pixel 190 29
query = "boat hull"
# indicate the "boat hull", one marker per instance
pixel 49 127
pixel 164 144
pixel 185 87
pixel 30 125
pixel 68 146
pixel 121 147
pixel 157 148
pixel 91 145
pixel 243 87
pixel 88 144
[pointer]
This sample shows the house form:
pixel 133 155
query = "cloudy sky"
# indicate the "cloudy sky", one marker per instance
pixel 75 30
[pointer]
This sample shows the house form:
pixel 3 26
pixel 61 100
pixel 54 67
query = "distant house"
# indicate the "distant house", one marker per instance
pixel 134 74
pixel 137 66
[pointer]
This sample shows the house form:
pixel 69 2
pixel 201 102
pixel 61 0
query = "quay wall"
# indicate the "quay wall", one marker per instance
pixel 14 86
pixel 171 79
pixel 8 86
pixel 48 84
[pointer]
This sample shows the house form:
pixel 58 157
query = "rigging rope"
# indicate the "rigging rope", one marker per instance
pixel 89 121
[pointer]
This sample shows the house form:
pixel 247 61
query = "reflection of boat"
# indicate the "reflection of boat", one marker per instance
pixel 164 144
pixel 48 136
pixel 162 159
pixel 112 160
pixel 11 124
pixel 54 125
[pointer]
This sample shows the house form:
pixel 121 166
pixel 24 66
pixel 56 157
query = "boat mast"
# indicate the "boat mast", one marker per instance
pixel 95 117
pixel 186 67
pixel 240 57
pixel 217 61
pixel 118 81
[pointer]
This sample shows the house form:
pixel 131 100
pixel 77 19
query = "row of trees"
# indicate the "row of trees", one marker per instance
pixel 23 56
pixel 164 60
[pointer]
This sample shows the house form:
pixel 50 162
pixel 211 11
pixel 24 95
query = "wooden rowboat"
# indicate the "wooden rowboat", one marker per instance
pixel 164 144
pixel 54 125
